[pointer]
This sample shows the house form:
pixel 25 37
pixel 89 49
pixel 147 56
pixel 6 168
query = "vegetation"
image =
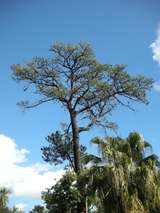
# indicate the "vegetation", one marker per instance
pixel 88 90
pixel 4 195
pixel 64 196
pixel 84 87
pixel 38 209
pixel 122 179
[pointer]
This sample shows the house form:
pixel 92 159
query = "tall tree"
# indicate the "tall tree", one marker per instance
pixel 86 88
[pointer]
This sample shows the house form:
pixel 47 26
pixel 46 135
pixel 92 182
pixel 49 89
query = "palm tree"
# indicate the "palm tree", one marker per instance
pixel 123 178
pixel 4 197
pixel 4 193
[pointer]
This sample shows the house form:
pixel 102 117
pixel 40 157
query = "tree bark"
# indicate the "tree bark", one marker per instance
pixel 81 207
pixel 75 138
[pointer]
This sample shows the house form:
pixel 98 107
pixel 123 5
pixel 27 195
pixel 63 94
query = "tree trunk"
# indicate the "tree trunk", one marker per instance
pixel 81 207
pixel 75 138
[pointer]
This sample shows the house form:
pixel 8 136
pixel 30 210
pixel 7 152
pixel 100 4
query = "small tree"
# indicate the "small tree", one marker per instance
pixel 60 149
pixel 64 196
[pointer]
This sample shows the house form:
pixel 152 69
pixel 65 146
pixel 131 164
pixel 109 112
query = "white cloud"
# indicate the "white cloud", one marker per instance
pixel 157 86
pixel 23 180
pixel 21 206
pixel 155 46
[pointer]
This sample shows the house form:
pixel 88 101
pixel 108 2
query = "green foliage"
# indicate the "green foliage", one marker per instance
pixel 4 196
pixel 122 179
pixel 60 149
pixel 4 193
pixel 64 196
pixel 87 89
pixel 82 85
pixel 38 209
pixel 128 182
pixel 15 210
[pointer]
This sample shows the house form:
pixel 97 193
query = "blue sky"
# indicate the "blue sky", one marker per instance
pixel 119 32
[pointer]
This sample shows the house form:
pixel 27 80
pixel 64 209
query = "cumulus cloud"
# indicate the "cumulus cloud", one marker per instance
pixel 157 86
pixel 21 206
pixel 155 46
pixel 27 180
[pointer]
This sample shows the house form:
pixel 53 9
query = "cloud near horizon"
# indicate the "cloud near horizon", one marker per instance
pixel 155 46
pixel 156 86
pixel 21 206
pixel 28 180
